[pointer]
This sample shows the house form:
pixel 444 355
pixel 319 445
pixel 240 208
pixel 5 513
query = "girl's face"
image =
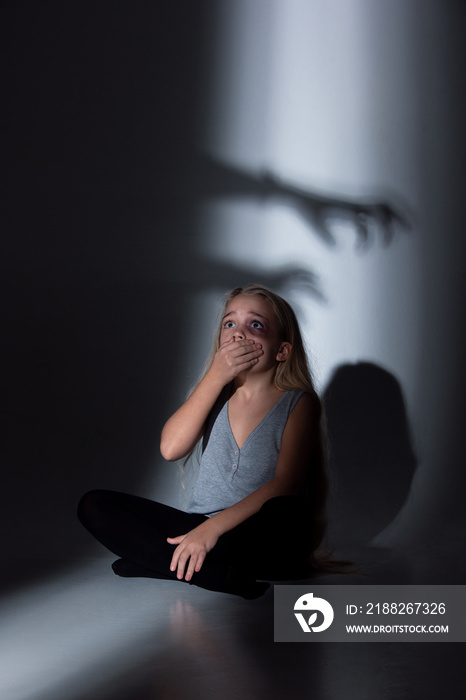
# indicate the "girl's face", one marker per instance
pixel 252 317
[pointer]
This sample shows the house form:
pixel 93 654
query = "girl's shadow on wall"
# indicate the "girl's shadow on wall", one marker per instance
pixel 372 461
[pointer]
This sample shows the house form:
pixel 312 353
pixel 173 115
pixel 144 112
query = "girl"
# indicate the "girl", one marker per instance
pixel 257 509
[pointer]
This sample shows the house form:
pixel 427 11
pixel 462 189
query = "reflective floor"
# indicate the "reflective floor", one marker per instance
pixel 88 635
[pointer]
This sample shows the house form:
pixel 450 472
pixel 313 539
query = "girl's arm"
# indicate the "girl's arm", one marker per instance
pixel 183 430
pixel 296 452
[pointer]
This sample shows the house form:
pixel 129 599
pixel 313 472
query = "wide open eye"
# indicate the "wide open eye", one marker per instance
pixel 229 324
pixel 257 325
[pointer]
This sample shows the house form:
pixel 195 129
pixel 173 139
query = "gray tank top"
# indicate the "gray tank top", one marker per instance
pixel 227 474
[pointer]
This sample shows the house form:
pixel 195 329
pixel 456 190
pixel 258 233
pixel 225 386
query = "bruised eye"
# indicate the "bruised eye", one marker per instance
pixel 256 324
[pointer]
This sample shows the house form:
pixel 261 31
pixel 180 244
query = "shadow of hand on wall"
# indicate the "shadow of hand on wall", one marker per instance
pixel 369 217
pixel 372 461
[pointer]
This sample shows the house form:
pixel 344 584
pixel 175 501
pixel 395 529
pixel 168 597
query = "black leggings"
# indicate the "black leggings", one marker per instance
pixel 272 544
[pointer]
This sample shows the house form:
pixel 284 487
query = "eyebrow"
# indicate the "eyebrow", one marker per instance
pixel 250 313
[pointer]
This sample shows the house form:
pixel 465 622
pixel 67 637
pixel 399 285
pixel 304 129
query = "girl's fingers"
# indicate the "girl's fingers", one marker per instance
pixel 244 347
pixel 237 343
pixel 176 554
pixel 181 565
pixel 180 559
pixel 200 561
pixel 240 346
pixel 191 568
pixel 174 561
pixel 235 356
pixel 195 564
pixel 246 351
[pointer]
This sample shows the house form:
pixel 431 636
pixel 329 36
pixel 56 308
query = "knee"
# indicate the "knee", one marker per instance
pixel 89 506
pixel 288 513
pixel 284 505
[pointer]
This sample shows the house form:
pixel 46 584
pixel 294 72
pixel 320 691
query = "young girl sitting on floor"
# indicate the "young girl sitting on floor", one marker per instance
pixel 257 508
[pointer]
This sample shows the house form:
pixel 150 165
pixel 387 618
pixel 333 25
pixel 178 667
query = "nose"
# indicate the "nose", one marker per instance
pixel 238 334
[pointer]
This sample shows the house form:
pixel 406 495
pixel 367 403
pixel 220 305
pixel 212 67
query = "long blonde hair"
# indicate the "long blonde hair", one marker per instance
pixel 293 373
